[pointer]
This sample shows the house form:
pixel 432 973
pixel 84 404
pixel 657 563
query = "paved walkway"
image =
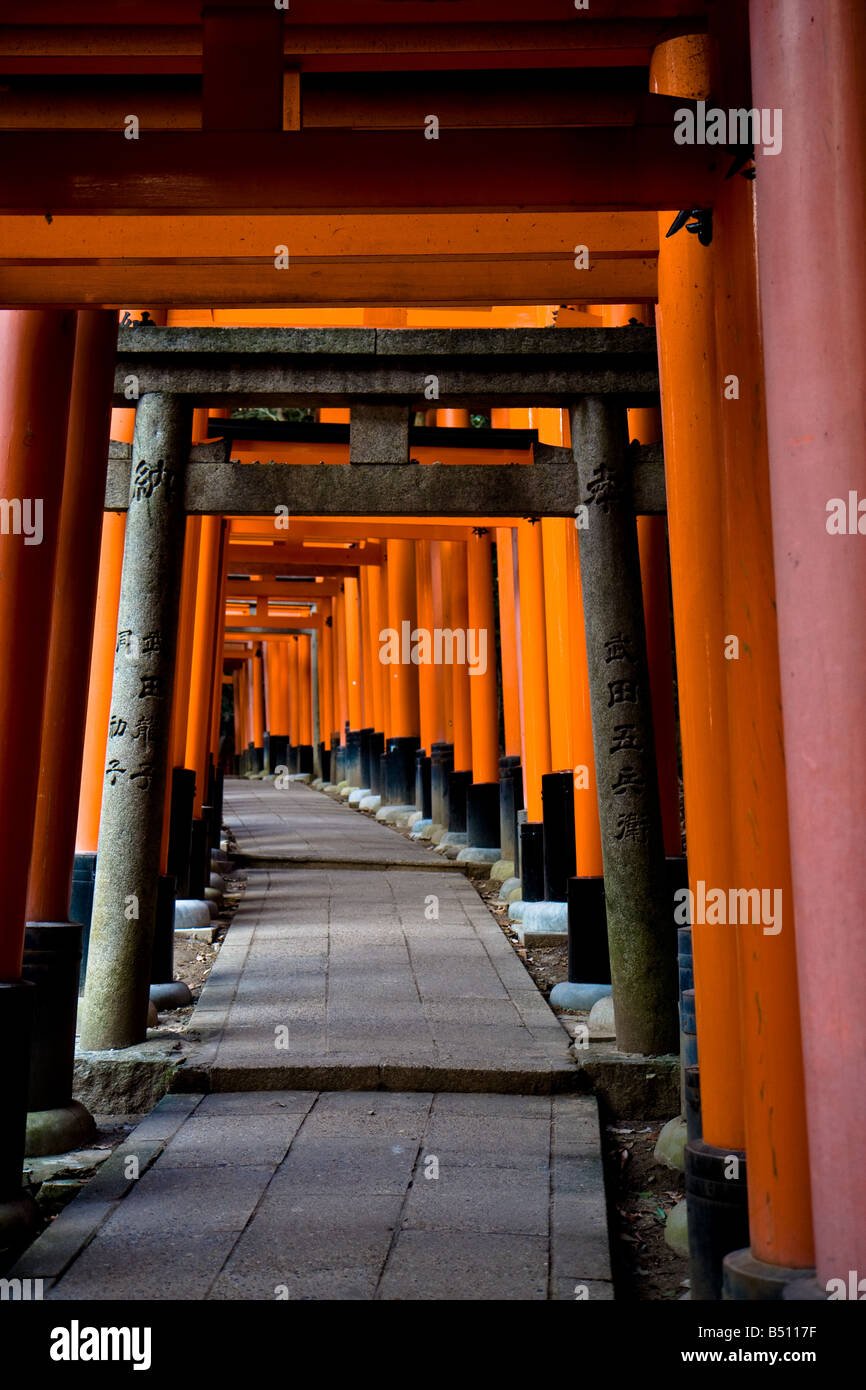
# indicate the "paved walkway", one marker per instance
pixel 284 1172
pixel 296 825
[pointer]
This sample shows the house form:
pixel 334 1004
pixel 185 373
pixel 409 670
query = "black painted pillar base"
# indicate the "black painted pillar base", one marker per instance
pixel 441 764
pixel 199 859
pixel 81 903
pixel 557 809
pixel 266 753
pixel 353 758
pixel 279 753
pixel 423 786
pixel 180 827
pixel 718 1211
pixel 400 771
pixel 692 1102
pixel 325 762
pixel 52 961
pixel 18 1214
pixel 588 955
pixel 258 759
pixel 458 796
pixel 532 861
pixel 377 751
pixel 292 757
pixel 367 757
pixel 305 758
pixel 508 767
pixel 339 761
pixel 162 956
pixel 482 815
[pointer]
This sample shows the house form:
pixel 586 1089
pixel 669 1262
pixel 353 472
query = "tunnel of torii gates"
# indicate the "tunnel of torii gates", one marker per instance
pixel 476 625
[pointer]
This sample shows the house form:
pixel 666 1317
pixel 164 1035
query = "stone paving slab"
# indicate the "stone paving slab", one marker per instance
pixel 344 1195
pixel 297 824
pixel 335 979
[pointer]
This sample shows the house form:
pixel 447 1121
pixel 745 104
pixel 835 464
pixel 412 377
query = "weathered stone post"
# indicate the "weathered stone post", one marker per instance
pixel 641 931
pixel 136 759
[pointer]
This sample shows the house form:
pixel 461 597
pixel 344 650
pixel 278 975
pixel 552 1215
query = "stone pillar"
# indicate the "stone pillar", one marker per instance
pixel 641 933
pixel 124 904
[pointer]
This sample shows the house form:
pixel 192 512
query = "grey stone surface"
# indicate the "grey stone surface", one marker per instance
pixel 473 366
pixel 568 995
pixel 381 1195
pixel 412 1139
pixel 331 978
pixel 639 917
pixel 379 432
pixel 128 1081
pixel 629 1084
pixel 133 803
pixel 445 489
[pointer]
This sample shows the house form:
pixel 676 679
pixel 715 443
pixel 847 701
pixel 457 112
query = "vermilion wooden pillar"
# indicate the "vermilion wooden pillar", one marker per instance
pixel 75 585
pixel 456 605
pixel 36 348
pixel 373 574
pixel 402 677
pixel 533 656
pixel 102 660
pixel 305 693
pixel 508 639
pixel 354 673
pixel 776 1139
pixel 808 61
pixel 481 643
pixel 198 735
pixel 429 676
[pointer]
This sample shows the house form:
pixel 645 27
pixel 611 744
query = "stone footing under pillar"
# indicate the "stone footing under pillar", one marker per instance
pixel 747 1280
pixel 58 1130
pixel 173 995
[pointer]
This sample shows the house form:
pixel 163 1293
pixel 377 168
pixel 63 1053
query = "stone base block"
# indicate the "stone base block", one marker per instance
pixel 370 803
pixel 358 795
pixel 670 1146
pixel 478 857
pixel 58 1130
pixel 502 870
pixel 628 1084
pixel 507 888
pixel 747 1280
pixel 602 1023
pixel 421 828
pixel 569 995
pixel 191 912
pixel 394 815
pixel 546 916
pixel 515 910
pixel 172 995
pixel 126 1081
pixel 677 1229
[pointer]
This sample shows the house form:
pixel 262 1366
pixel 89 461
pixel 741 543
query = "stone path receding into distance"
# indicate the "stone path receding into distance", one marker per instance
pixel 378 1107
